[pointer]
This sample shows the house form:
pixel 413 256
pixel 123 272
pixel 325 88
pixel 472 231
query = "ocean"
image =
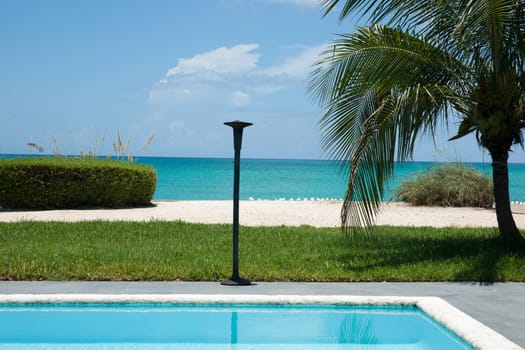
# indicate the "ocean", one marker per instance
pixel 264 179
pixel 269 179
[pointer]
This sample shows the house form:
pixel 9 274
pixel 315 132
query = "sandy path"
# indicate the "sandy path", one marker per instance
pixel 271 213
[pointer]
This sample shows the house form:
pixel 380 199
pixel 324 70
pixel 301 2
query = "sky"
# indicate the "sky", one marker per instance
pixel 76 74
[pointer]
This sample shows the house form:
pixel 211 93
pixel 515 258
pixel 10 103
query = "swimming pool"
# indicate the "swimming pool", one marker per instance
pixel 223 322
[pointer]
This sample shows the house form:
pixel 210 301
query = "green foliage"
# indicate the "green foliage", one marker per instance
pixel 448 185
pixel 54 183
pixel 168 251
pixel 413 67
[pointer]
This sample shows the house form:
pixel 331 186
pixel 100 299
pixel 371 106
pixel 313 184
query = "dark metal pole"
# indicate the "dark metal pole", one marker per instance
pixel 235 279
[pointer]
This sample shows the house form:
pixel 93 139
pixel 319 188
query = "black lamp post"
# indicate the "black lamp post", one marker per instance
pixel 235 279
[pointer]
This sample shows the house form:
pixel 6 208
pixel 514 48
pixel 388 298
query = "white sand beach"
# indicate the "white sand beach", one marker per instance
pixel 274 213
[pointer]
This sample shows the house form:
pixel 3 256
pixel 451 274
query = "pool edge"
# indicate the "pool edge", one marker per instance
pixel 471 330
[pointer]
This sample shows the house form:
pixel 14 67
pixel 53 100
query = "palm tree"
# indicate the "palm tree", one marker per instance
pixel 418 65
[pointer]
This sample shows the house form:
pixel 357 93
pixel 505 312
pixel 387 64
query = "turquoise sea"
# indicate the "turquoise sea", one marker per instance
pixel 212 178
pixel 266 179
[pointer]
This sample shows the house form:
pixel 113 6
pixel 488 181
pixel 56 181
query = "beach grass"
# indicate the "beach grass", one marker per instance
pixel 156 250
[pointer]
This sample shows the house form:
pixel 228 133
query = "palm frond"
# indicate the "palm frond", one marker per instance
pixel 380 87
pixel 383 87
pixel 409 14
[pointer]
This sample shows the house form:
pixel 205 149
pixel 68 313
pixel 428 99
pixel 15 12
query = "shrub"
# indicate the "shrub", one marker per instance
pixel 58 183
pixel 448 185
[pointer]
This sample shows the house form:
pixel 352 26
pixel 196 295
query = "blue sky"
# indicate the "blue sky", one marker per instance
pixel 75 70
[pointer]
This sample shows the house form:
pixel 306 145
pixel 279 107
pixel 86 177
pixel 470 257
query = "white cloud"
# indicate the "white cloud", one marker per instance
pixel 233 70
pixel 191 102
pixel 300 65
pixel 240 99
pixel 236 59
pixel 222 76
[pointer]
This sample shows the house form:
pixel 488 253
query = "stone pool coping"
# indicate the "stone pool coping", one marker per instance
pixel 465 326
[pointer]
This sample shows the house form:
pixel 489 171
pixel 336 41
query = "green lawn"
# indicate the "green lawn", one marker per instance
pixel 174 250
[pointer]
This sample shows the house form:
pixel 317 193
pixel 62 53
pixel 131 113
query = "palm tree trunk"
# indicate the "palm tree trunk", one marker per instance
pixel 500 177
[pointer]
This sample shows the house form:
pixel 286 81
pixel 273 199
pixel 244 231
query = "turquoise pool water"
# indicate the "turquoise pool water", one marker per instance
pixel 236 327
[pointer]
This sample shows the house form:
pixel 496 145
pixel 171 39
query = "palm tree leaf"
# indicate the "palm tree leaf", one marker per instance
pixel 382 87
pixel 410 14
pixel 373 116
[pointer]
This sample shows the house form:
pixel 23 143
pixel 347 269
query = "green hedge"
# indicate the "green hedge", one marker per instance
pixel 59 183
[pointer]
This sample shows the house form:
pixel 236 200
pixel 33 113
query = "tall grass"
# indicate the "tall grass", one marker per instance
pixel 448 185
pixel 179 251
pixel 120 147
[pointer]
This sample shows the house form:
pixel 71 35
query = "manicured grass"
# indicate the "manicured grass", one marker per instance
pixel 174 250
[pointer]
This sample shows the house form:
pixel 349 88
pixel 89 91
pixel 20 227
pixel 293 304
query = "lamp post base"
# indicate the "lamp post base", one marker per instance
pixel 235 281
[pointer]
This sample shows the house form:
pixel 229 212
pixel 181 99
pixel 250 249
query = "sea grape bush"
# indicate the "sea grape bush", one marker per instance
pixel 448 185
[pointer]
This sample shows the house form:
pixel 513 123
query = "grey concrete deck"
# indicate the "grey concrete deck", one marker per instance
pixel 500 306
